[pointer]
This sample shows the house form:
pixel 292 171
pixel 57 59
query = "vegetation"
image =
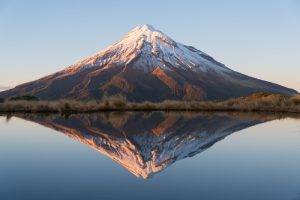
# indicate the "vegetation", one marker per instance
pixel 24 98
pixel 253 103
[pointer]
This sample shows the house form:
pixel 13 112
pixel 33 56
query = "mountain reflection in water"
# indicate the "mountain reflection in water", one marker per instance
pixel 147 143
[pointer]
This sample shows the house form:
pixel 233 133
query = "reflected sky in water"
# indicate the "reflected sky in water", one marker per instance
pixel 208 156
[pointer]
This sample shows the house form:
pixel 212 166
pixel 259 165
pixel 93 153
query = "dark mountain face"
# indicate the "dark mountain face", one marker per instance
pixel 147 143
pixel 147 65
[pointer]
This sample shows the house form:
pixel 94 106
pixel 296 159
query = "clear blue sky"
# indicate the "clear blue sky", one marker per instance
pixel 260 38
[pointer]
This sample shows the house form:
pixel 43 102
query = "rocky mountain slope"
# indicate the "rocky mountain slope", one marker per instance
pixel 147 65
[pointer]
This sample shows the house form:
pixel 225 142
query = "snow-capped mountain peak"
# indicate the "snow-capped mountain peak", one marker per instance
pixel 147 48
pixel 146 65
pixel 149 34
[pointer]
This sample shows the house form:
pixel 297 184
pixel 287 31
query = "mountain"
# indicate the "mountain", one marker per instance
pixel 144 143
pixel 147 65
pixel 4 88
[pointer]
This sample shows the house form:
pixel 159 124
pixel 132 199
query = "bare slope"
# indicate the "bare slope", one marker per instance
pixel 147 65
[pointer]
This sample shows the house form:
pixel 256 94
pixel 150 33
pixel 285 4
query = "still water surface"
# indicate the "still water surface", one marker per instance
pixel 150 156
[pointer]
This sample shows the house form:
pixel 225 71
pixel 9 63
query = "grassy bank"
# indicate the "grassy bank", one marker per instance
pixel 253 103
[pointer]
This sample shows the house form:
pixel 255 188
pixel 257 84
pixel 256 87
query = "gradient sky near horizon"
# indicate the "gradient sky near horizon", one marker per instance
pixel 257 38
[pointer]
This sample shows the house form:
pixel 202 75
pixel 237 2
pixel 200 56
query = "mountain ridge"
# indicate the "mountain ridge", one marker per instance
pixel 144 63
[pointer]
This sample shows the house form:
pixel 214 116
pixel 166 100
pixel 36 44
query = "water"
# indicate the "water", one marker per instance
pixel 150 156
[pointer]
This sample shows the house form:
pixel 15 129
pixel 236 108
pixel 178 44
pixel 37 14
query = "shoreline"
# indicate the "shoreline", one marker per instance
pixel 254 103
pixel 149 110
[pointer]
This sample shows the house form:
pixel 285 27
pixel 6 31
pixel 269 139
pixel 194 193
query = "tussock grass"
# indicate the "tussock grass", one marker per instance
pixel 253 103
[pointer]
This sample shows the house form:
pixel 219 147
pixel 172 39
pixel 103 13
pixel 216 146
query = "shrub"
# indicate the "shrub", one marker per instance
pixel 259 102
pixel 25 98
pixel 115 101
pixel 296 100
pixel 119 103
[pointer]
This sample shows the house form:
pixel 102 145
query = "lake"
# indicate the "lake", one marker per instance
pixel 136 155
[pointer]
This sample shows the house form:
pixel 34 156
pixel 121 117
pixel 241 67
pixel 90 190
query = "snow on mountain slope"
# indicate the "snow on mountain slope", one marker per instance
pixel 147 48
pixel 147 65
pixel 2 88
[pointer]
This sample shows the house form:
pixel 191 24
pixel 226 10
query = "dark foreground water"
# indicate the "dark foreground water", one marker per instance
pixel 150 156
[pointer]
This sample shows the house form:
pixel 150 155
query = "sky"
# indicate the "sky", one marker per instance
pixel 257 38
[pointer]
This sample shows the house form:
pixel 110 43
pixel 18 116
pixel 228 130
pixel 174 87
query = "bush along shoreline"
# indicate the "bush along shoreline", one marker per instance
pixel 253 103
